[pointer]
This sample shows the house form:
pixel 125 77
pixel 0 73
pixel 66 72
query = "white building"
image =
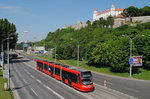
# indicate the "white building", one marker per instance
pixel 112 11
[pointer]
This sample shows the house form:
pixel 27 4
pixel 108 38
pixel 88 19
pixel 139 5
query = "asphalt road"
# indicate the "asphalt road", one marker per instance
pixel 31 84
pixel 133 87
pixel 137 88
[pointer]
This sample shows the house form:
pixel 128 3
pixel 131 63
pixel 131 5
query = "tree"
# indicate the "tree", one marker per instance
pixel 99 54
pixel 7 28
pixel 118 54
pixel 131 12
pixel 19 46
pixel 145 11
pixel 110 21
pixel 88 23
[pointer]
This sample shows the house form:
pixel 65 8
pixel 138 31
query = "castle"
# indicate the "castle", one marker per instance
pixel 110 12
pixel 116 13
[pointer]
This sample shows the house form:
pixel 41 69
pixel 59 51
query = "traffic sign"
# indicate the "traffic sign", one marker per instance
pixel 131 60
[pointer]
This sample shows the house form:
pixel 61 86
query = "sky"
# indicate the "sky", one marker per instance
pixel 39 17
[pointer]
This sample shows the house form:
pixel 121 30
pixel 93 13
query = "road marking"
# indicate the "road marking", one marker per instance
pixel 131 89
pixel 61 97
pixel 34 68
pixel 116 91
pixel 28 73
pixel 38 81
pixel 34 92
pixel 25 81
pixel 32 76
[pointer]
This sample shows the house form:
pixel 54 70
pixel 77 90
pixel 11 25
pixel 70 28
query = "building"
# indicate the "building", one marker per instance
pixel 110 12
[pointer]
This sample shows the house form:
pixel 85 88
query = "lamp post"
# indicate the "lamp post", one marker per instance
pixel 131 39
pixel 2 53
pixel 8 59
pixel 78 54
pixel 55 53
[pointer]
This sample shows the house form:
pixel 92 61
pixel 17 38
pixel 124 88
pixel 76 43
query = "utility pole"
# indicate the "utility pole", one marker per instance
pixel 131 39
pixel 8 60
pixel 78 54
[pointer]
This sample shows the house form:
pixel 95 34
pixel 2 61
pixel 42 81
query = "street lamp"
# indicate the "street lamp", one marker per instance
pixel 55 54
pixel 131 39
pixel 2 53
pixel 78 53
pixel 8 58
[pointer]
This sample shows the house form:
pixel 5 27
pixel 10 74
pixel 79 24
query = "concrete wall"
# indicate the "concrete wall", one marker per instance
pixel 120 21
pixel 141 19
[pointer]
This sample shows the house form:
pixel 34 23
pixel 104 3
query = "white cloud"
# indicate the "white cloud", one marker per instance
pixel 15 10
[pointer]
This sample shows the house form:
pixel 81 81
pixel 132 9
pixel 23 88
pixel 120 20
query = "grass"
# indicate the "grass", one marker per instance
pixel 144 74
pixel 4 94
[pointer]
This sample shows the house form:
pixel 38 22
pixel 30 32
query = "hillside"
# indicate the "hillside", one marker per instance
pixel 102 46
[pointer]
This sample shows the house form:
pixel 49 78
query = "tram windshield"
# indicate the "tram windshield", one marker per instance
pixel 86 78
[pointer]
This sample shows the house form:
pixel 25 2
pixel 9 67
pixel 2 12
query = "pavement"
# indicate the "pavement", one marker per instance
pixel 29 83
pixel 129 86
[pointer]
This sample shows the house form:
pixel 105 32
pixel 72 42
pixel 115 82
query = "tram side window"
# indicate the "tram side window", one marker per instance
pixel 45 66
pixel 74 77
pixel 79 80
pixel 40 65
pixel 49 68
pixel 63 73
pixel 57 71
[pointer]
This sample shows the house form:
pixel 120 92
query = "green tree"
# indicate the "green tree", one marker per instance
pixel 110 21
pixel 88 23
pixel 7 28
pixel 145 11
pixel 99 54
pixel 118 54
pixel 131 12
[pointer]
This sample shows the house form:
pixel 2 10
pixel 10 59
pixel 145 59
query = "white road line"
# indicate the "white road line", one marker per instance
pixel 28 73
pixel 61 97
pixel 34 92
pixel 34 68
pixel 116 91
pixel 25 81
pixel 38 81
pixel 32 76
pixel 131 89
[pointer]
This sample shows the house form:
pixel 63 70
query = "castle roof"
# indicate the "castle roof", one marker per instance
pixel 103 12
pixel 119 16
pixel 116 9
pixel 119 9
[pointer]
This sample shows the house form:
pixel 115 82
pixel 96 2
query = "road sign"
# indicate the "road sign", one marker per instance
pixel 137 61
pixel 131 60
pixel 26 45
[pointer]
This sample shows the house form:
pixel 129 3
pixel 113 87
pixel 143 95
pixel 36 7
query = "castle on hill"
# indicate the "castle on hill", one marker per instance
pixel 116 12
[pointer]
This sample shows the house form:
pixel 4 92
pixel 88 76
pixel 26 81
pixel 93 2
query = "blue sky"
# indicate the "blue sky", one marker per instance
pixel 39 17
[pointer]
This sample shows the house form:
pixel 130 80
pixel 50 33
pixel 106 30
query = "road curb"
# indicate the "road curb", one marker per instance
pixel 15 92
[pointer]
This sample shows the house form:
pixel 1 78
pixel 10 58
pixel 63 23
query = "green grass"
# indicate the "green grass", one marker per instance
pixel 145 74
pixel 4 94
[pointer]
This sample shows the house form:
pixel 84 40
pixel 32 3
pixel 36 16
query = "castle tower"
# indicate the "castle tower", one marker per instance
pixel 94 14
pixel 112 9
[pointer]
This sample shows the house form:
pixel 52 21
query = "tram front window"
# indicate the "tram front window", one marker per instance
pixel 86 78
